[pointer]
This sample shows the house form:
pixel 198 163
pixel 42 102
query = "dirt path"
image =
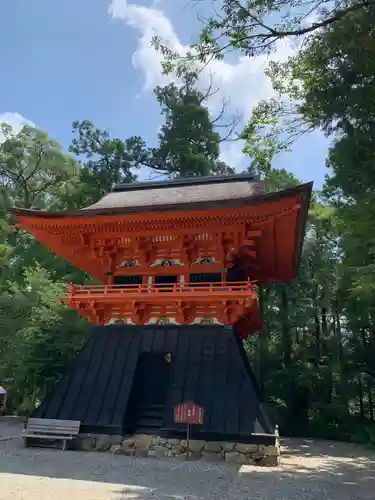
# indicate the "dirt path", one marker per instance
pixel 310 470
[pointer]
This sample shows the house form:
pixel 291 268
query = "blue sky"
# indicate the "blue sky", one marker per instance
pixel 73 60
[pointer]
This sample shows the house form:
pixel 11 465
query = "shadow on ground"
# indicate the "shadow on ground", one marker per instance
pixel 310 470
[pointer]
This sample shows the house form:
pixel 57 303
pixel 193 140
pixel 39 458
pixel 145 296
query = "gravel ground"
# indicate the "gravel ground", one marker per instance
pixel 310 470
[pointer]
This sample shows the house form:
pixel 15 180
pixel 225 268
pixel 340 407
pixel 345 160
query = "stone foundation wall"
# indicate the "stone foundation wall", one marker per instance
pixel 154 446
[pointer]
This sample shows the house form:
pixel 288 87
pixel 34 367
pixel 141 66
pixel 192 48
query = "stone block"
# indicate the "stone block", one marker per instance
pixel 257 456
pixel 271 451
pixel 270 461
pixel 143 441
pixel 250 461
pixel 85 443
pixel 177 449
pixel 212 447
pixel 158 451
pixel 102 445
pixel 246 448
pixel 104 442
pixel 155 440
pixel 179 452
pixel 174 442
pixel 227 446
pixel 235 458
pixel 128 443
pixel 194 444
pixel 115 448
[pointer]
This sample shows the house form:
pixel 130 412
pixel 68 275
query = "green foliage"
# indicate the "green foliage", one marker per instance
pixel 38 333
pixel 188 142
pixel 257 27
pixel 329 363
pixel 108 161
pixel 33 167
pixel 315 359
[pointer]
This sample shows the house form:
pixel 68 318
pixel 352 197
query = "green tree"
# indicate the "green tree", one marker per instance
pixel 189 141
pixel 32 167
pixel 35 173
pixel 188 144
pixel 255 27
pixel 38 335
pixel 107 161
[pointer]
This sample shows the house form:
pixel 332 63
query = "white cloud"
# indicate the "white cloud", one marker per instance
pixel 242 82
pixel 15 120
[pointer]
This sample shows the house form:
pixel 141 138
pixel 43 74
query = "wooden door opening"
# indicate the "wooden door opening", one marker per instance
pixel 146 407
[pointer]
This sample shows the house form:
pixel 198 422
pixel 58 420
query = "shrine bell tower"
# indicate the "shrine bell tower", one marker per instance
pixel 179 263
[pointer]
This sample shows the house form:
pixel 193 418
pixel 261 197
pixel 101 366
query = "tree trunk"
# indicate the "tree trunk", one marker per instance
pixel 343 391
pixel 263 337
pixel 324 323
pixel 317 339
pixel 285 329
pixel 370 400
pixel 361 405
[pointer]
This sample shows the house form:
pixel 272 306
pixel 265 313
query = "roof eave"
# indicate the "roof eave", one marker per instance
pixel 301 227
pixel 302 189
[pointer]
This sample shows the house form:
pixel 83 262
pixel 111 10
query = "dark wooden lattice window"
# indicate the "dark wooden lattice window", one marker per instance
pixel 202 279
pixel 166 281
pixel 128 280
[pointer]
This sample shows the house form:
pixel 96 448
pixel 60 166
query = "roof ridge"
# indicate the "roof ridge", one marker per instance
pixel 185 181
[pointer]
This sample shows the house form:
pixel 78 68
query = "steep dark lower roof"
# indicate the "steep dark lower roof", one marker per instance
pixel 209 366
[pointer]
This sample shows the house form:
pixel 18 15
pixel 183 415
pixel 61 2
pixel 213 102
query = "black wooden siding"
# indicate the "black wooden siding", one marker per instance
pixel 209 366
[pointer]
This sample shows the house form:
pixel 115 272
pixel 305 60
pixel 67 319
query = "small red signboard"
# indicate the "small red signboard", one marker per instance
pixel 188 413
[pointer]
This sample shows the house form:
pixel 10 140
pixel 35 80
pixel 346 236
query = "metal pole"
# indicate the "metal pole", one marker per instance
pixel 188 441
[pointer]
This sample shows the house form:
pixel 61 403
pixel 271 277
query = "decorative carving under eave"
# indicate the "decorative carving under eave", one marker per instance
pixel 141 313
pixel 185 312
pixel 207 321
pixel 129 263
pixel 107 256
pixel 93 311
pixel 146 250
pixel 167 263
pixel 190 249
pixel 163 321
pixel 206 260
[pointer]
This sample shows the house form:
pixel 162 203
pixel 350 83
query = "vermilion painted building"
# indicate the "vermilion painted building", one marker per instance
pixel 179 263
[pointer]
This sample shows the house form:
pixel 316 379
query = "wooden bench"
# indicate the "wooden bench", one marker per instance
pixel 51 429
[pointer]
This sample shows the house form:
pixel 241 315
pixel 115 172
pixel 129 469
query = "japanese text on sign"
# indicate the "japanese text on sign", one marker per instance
pixel 188 413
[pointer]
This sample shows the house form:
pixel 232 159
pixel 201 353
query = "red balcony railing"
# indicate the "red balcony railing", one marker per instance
pixel 224 302
pixel 161 292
